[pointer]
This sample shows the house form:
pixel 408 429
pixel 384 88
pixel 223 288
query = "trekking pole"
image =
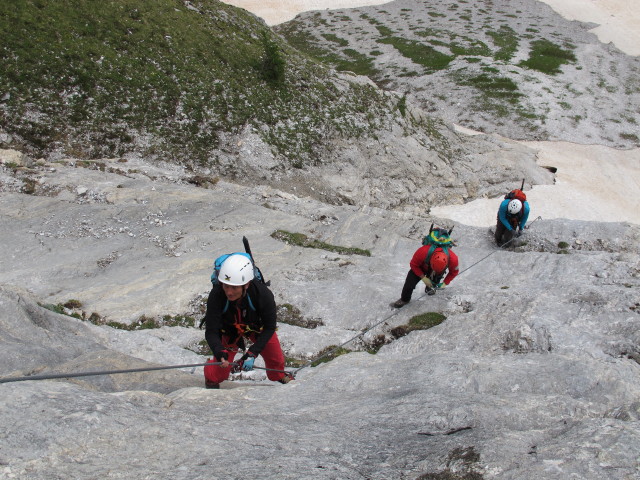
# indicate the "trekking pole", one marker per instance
pixel 247 249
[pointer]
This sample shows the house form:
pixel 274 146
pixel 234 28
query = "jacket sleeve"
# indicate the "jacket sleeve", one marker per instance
pixel 213 319
pixel 502 214
pixel 453 268
pixel 268 313
pixel 417 261
pixel 525 215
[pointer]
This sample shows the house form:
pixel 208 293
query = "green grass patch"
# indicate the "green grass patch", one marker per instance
pixel 335 39
pixel 68 308
pixel 57 308
pixel 384 31
pixel 354 61
pixel 328 354
pixel 494 86
pixel 72 308
pixel 507 42
pixel 426 320
pixel 294 362
pixel 402 105
pixel 178 321
pixel 302 240
pixel 629 136
pixel 291 315
pixel 547 57
pixel 164 79
pixel 470 48
pixel 419 322
pixel 419 53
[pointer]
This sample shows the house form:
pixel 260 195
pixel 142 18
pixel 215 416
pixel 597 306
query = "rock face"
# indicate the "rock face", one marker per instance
pixel 397 170
pixel 487 66
pixel 114 234
pixel 533 374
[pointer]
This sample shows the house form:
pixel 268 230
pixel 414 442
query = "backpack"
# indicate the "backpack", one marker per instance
pixel 217 264
pixel 438 238
pixel 516 194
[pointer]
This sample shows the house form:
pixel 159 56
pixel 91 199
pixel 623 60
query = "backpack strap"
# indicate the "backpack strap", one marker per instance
pixel 250 303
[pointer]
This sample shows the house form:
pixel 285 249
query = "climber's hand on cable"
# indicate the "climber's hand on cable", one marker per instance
pixel 247 363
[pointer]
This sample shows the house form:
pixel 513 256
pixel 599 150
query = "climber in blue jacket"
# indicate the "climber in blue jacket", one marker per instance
pixel 512 218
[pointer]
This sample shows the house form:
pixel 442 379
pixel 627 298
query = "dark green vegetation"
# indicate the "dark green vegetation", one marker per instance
pixel 301 240
pixel 471 49
pixel 73 308
pixel 418 53
pixel 547 57
pixel 328 354
pixel 419 322
pixel 165 79
pixel 423 321
pixel 291 315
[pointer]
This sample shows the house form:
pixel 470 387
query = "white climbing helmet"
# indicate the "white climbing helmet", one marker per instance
pixel 236 270
pixel 514 207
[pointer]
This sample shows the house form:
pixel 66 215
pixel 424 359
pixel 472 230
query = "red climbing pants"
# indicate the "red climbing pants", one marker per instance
pixel 271 354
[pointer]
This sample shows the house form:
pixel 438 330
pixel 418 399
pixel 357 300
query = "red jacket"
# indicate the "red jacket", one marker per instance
pixel 420 268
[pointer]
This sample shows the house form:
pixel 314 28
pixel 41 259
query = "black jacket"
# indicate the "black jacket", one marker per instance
pixel 256 310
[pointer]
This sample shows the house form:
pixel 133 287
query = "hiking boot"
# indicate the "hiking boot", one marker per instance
pixel 430 291
pixel 210 384
pixel 399 303
pixel 286 379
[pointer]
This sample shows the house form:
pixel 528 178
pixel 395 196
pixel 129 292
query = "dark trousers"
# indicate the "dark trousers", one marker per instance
pixel 412 280
pixel 503 235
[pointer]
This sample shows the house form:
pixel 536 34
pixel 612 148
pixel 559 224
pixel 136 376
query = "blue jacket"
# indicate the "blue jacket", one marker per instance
pixel 505 216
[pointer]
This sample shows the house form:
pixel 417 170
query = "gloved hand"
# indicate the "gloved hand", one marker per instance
pixel 441 285
pixel 427 281
pixel 247 364
pixel 519 232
